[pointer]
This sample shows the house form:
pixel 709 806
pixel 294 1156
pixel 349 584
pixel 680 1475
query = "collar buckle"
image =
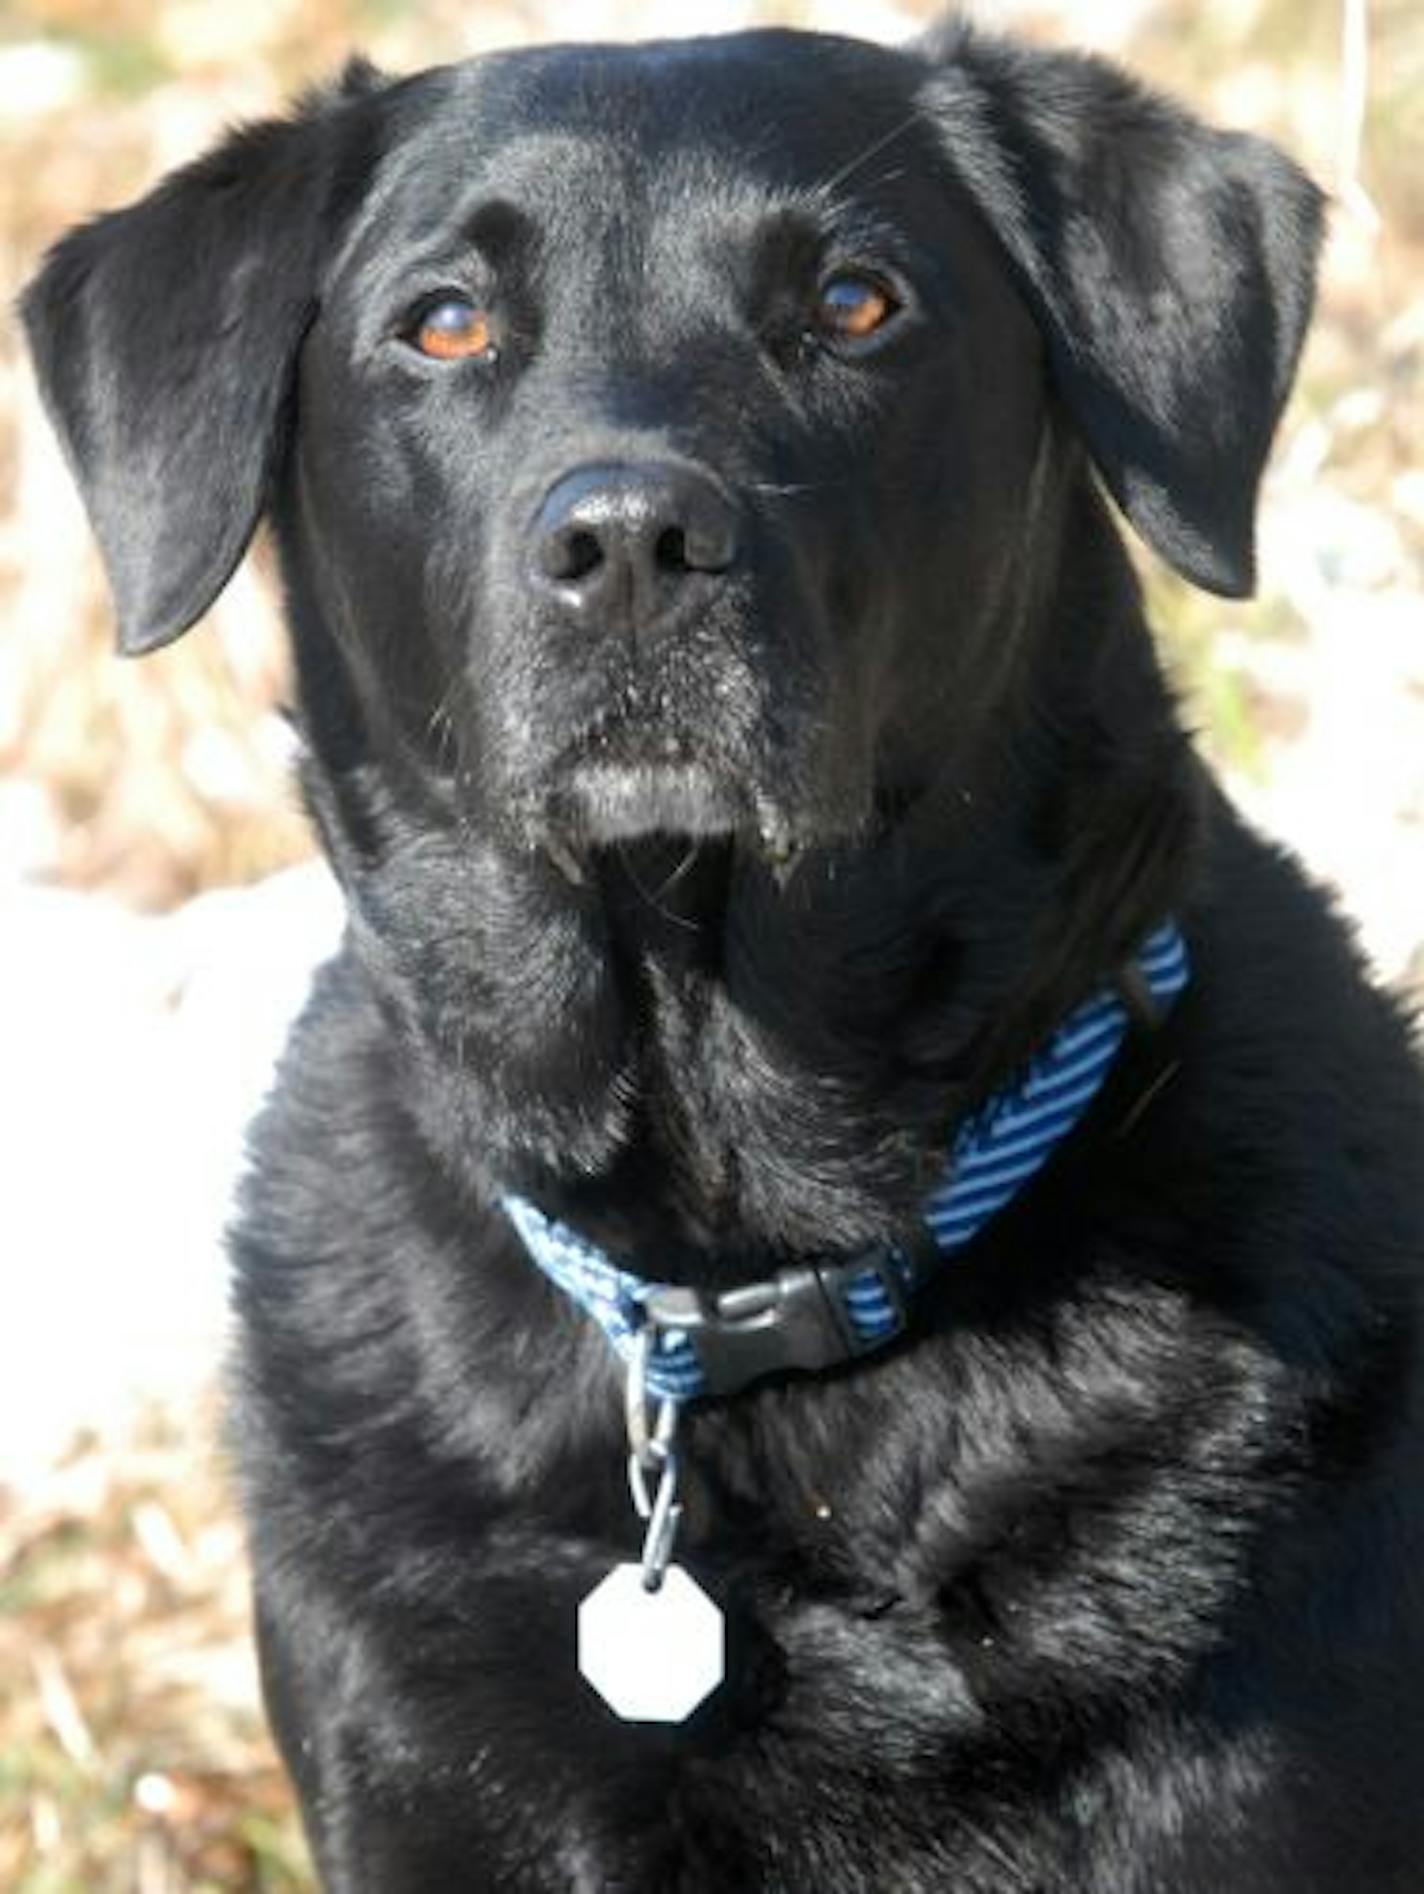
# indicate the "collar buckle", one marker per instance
pixel 797 1318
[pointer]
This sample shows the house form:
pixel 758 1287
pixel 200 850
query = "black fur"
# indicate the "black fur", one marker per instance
pixel 703 921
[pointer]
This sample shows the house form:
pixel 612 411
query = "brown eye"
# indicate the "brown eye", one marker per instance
pixel 851 307
pixel 454 330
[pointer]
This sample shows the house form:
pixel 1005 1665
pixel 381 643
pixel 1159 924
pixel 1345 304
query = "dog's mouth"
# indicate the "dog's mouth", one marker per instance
pixel 616 802
pixel 682 801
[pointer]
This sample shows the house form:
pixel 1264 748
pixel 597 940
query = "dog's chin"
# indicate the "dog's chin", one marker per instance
pixel 605 803
pixel 602 805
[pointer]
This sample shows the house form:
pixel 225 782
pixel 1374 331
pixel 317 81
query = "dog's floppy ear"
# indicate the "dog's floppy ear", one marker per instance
pixel 164 337
pixel 1170 266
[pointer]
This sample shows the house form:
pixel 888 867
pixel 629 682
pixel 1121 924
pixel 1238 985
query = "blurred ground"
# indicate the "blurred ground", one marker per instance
pixel 153 956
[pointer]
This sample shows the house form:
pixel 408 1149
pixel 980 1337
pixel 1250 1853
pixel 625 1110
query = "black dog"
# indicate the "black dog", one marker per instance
pixel 730 713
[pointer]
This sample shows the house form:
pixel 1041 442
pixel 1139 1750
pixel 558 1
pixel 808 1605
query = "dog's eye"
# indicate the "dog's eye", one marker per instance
pixel 454 329
pixel 850 306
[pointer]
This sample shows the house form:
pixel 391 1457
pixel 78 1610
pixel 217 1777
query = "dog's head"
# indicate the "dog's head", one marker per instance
pixel 672 438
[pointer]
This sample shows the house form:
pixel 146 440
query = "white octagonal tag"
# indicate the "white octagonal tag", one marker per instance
pixel 652 1656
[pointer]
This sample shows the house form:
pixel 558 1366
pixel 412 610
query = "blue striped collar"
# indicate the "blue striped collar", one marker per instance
pixel 821 1314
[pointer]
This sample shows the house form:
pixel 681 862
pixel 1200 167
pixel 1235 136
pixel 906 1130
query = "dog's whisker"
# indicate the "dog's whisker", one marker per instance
pixel 847 205
pixel 872 150
pixel 680 873
pixel 565 860
pixel 440 726
pixel 652 897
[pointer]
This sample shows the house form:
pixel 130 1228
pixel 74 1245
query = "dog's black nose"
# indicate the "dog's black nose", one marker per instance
pixel 620 543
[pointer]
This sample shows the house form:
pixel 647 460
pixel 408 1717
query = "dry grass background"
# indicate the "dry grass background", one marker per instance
pixel 131 1753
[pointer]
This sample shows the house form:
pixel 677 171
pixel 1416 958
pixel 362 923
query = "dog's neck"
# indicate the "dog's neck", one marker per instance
pixel 691 1055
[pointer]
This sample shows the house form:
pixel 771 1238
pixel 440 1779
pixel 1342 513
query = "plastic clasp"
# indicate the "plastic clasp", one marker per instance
pixel 795 1319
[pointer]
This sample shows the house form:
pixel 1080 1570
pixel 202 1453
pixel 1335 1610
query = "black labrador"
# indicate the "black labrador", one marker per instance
pixel 728 707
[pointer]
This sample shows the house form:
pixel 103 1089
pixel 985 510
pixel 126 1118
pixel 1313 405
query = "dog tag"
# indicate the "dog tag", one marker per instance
pixel 652 1656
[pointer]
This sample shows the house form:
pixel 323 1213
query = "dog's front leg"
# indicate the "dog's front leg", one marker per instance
pixel 421 1756
pixel 382 1814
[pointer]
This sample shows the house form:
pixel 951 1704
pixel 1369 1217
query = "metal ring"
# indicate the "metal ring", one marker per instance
pixel 652 1454
pixel 663 1521
pixel 649 1443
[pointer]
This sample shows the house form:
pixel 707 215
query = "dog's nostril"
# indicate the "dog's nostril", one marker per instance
pixel 582 554
pixel 696 545
pixel 670 552
pixel 570 555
